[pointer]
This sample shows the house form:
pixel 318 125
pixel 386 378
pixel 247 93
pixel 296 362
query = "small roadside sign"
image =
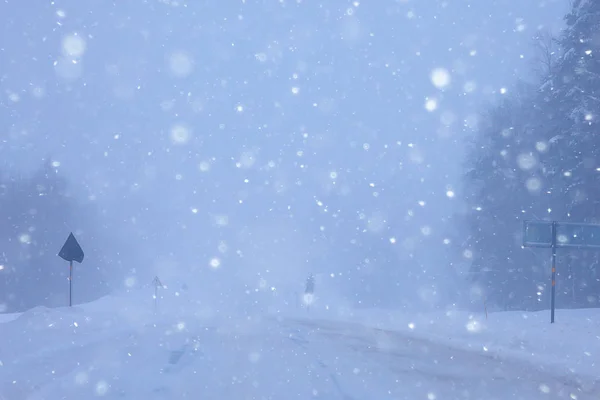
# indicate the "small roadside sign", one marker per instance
pixel 71 251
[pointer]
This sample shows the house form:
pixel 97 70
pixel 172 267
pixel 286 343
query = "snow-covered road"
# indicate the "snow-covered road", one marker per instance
pixel 404 366
pixel 257 359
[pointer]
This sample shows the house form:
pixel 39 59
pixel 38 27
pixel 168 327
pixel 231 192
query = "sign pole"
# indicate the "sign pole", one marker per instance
pixel 553 298
pixel 157 283
pixel 155 298
pixel 70 283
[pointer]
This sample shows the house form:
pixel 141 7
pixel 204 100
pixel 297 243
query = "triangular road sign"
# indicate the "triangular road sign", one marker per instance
pixel 157 282
pixel 71 250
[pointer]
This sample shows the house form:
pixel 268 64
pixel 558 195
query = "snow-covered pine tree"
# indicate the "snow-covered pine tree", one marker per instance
pixel 572 164
pixel 502 187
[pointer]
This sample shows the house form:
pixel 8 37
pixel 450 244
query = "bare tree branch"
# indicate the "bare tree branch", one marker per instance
pixel 546 51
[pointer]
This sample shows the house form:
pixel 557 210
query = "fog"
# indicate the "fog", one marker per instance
pixel 237 147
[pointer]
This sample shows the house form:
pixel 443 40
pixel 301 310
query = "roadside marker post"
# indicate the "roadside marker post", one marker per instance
pixel 157 283
pixel 71 251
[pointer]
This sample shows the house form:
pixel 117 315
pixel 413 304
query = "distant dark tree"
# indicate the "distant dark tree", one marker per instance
pixel 546 48
pixel 572 96
pixel 503 186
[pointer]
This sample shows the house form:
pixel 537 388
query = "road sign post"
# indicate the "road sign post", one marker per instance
pixel 309 291
pixel 553 289
pixel 157 283
pixel 553 235
pixel 71 251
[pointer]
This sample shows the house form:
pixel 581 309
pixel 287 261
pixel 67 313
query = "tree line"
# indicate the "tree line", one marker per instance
pixel 536 156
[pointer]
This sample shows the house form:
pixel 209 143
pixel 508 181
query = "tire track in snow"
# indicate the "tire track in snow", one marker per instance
pixel 304 344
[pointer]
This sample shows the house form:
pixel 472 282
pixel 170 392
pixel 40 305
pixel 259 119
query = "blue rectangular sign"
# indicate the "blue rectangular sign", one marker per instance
pixel 537 233
pixel 568 234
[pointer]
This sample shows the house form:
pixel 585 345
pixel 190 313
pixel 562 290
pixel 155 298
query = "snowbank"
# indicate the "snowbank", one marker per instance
pixel 571 345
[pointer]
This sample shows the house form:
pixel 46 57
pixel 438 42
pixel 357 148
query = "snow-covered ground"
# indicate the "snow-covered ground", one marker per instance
pixel 570 346
pixel 118 348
